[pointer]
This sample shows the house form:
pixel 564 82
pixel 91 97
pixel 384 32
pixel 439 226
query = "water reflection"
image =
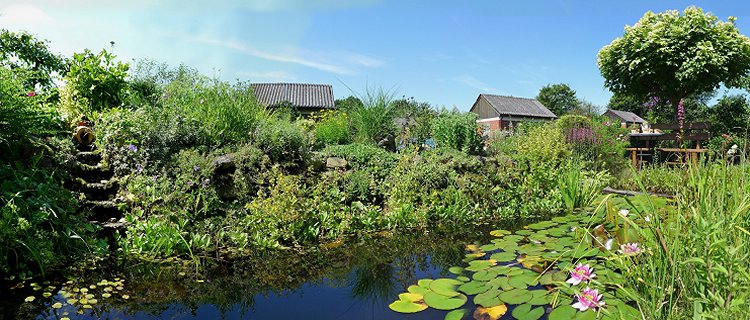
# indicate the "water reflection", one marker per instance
pixel 351 281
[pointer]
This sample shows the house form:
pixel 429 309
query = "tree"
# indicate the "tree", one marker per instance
pixel 673 56
pixel 20 50
pixel 730 115
pixel 98 78
pixel 558 98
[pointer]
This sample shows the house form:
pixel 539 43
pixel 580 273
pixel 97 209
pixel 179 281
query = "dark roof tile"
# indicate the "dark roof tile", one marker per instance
pixel 506 105
pixel 302 95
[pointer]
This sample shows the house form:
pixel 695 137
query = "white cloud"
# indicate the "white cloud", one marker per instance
pixel 24 15
pixel 475 83
pixel 270 76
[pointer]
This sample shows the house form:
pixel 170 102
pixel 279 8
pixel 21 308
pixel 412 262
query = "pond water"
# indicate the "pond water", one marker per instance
pixel 347 281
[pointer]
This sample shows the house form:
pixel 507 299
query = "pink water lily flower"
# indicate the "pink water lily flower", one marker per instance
pixel 588 299
pixel 630 249
pixel 582 272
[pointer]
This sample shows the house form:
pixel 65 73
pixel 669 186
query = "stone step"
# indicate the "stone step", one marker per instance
pixel 88 157
pixel 85 148
pixel 91 173
pixel 102 210
pixel 99 190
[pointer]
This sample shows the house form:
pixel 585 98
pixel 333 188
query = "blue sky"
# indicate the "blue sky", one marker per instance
pixel 442 52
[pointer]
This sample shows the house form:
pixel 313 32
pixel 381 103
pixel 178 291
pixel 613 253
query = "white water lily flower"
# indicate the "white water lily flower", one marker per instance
pixel 608 244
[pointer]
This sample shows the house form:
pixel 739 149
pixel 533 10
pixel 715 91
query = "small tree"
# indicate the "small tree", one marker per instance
pixel 98 78
pixel 673 56
pixel 558 98
pixel 20 50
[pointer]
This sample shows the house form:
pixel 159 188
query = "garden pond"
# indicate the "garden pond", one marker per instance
pixel 515 272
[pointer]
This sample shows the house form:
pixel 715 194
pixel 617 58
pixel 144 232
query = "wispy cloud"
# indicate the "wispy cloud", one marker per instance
pixel 251 51
pixel 475 83
pixel 271 76
pixel 24 15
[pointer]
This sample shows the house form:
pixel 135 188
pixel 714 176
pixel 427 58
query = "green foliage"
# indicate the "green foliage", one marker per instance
pixel 21 114
pixel 673 55
pixel 598 143
pixel 39 227
pixel 730 115
pixel 543 144
pixel 96 81
pixel 372 120
pixel 21 50
pixel 579 188
pixel 332 127
pixel 699 248
pixel 283 141
pixel 457 130
pixel 558 98
pixel 414 120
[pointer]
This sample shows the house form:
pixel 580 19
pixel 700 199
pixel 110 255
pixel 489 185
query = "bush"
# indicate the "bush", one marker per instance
pixel 94 82
pixel 458 131
pixel 372 120
pixel 283 141
pixel 597 143
pixel 332 128
pixel 21 111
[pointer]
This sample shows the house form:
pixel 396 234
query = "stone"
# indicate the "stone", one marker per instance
pixel 336 163
pixel 225 164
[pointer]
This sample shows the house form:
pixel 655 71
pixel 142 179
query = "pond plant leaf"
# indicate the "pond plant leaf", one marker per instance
pixel 424 283
pixel 488 299
pixel 515 296
pixel 463 278
pixel 407 307
pixel 29 299
pixel 563 312
pixel 412 288
pixel 499 233
pixel 527 312
pixel 456 270
pixel 445 287
pixel 492 313
pixel 457 314
pixel 474 287
pixel 411 297
pixel 504 256
pixel 57 305
pixel 477 265
pixel 441 302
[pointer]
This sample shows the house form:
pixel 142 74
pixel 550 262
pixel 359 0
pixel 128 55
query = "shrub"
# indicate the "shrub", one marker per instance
pixel 94 82
pixel 542 145
pixel 372 120
pixel 458 131
pixel 332 128
pixel 283 141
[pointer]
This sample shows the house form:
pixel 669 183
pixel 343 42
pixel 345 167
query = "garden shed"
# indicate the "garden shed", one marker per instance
pixel 306 97
pixel 624 116
pixel 498 112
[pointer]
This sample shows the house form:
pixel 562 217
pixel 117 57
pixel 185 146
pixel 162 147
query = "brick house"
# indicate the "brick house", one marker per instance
pixel 502 112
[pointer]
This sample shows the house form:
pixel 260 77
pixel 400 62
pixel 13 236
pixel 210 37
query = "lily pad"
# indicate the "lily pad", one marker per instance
pixel 474 287
pixel 504 256
pixel 411 297
pixel 463 278
pixel 457 314
pixel 516 296
pixel 564 312
pixel 499 233
pixel 56 305
pixel 484 275
pixel 424 283
pixel 412 289
pixel 445 287
pixel 29 299
pixel 407 307
pixel 526 312
pixel 492 313
pixel 488 299
pixel 477 265
pixel 441 302
pixel 456 270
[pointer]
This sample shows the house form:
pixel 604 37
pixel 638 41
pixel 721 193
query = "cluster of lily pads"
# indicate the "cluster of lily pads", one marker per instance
pixel 546 268
pixel 73 297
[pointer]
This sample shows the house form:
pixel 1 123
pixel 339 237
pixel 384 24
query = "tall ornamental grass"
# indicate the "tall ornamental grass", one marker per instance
pixel 700 252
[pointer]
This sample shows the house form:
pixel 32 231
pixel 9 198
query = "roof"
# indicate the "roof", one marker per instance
pixel 507 105
pixel 626 116
pixel 301 95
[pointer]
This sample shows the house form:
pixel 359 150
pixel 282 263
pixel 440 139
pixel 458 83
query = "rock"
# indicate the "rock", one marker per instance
pixel 336 163
pixel 388 143
pixel 224 164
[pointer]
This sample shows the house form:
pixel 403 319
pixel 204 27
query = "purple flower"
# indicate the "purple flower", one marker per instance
pixel 582 272
pixel 630 249
pixel 31 94
pixel 153 178
pixel 132 148
pixel 138 168
pixel 196 168
pixel 206 182
pixel 588 299
pixel 189 183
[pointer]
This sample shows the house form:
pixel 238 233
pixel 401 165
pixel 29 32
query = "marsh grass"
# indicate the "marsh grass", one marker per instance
pixel 700 250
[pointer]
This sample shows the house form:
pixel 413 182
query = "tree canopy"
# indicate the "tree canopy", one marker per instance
pixel 21 50
pixel 673 55
pixel 558 98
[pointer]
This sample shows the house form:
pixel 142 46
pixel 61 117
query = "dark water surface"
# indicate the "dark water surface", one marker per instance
pixel 348 281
